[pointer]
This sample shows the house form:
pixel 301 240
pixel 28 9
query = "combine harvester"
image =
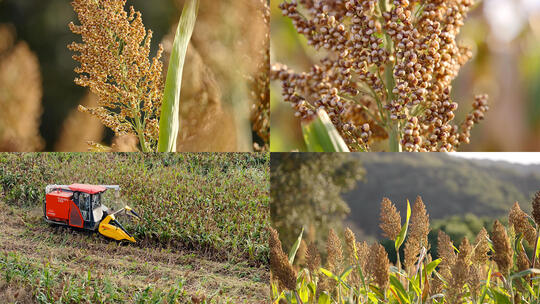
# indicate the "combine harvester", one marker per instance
pixel 81 206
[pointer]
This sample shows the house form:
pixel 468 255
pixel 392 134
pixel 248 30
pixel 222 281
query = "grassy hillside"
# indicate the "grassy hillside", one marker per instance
pixel 448 185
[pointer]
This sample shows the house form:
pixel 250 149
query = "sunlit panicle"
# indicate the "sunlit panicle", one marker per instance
pixel 279 262
pixel 115 65
pixel 390 219
pixel 417 233
pixel 378 266
pixel 20 95
pixel 481 247
pixel 503 251
pixel 519 220
pixel 536 208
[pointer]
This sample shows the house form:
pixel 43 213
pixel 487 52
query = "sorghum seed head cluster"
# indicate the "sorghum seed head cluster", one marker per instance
pixel 279 262
pixel 519 220
pixel 536 208
pixel 417 234
pixel 390 219
pixel 115 65
pixel 503 250
pixel 385 67
pixel 460 274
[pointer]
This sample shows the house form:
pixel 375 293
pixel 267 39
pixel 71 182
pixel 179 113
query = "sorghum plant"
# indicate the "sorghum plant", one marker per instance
pixel 496 268
pixel 386 73
pixel 115 65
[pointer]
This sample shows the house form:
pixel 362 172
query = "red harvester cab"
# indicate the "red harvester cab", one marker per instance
pixel 75 205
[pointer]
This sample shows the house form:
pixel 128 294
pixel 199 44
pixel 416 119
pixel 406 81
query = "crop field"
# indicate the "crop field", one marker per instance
pixel 499 266
pixel 201 237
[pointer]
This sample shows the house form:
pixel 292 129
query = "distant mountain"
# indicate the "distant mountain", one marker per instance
pixel 448 185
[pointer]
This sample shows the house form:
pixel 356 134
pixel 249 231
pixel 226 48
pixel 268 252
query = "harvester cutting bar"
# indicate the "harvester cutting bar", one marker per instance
pixel 111 228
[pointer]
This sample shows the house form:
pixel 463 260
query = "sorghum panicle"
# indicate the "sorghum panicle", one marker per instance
pixel 115 65
pixel 519 220
pixel 313 258
pixel 350 241
pixel 523 262
pixel 474 280
pixel 445 250
pixel 536 208
pixel 363 255
pixel 417 232
pixel 460 273
pixel 379 265
pixel 481 247
pixel 20 95
pixel 279 262
pixel 301 253
pixel 334 251
pixel 260 109
pixel 390 219
pixel 386 68
pixel 501 245
pixel 352 253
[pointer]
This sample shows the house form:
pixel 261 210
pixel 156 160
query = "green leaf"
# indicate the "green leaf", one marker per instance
pixel 169 122
pixel 295 247
pixel 320 135
pixel 500 297
pixel 402 293
pixel 339 279
pixel 303 293
pixel 428 269
pixel 346 273
pixel 525 273
pixel 537 247
pixel 324 298
pixel 403 233
pixel 413 283
pixel 329 274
